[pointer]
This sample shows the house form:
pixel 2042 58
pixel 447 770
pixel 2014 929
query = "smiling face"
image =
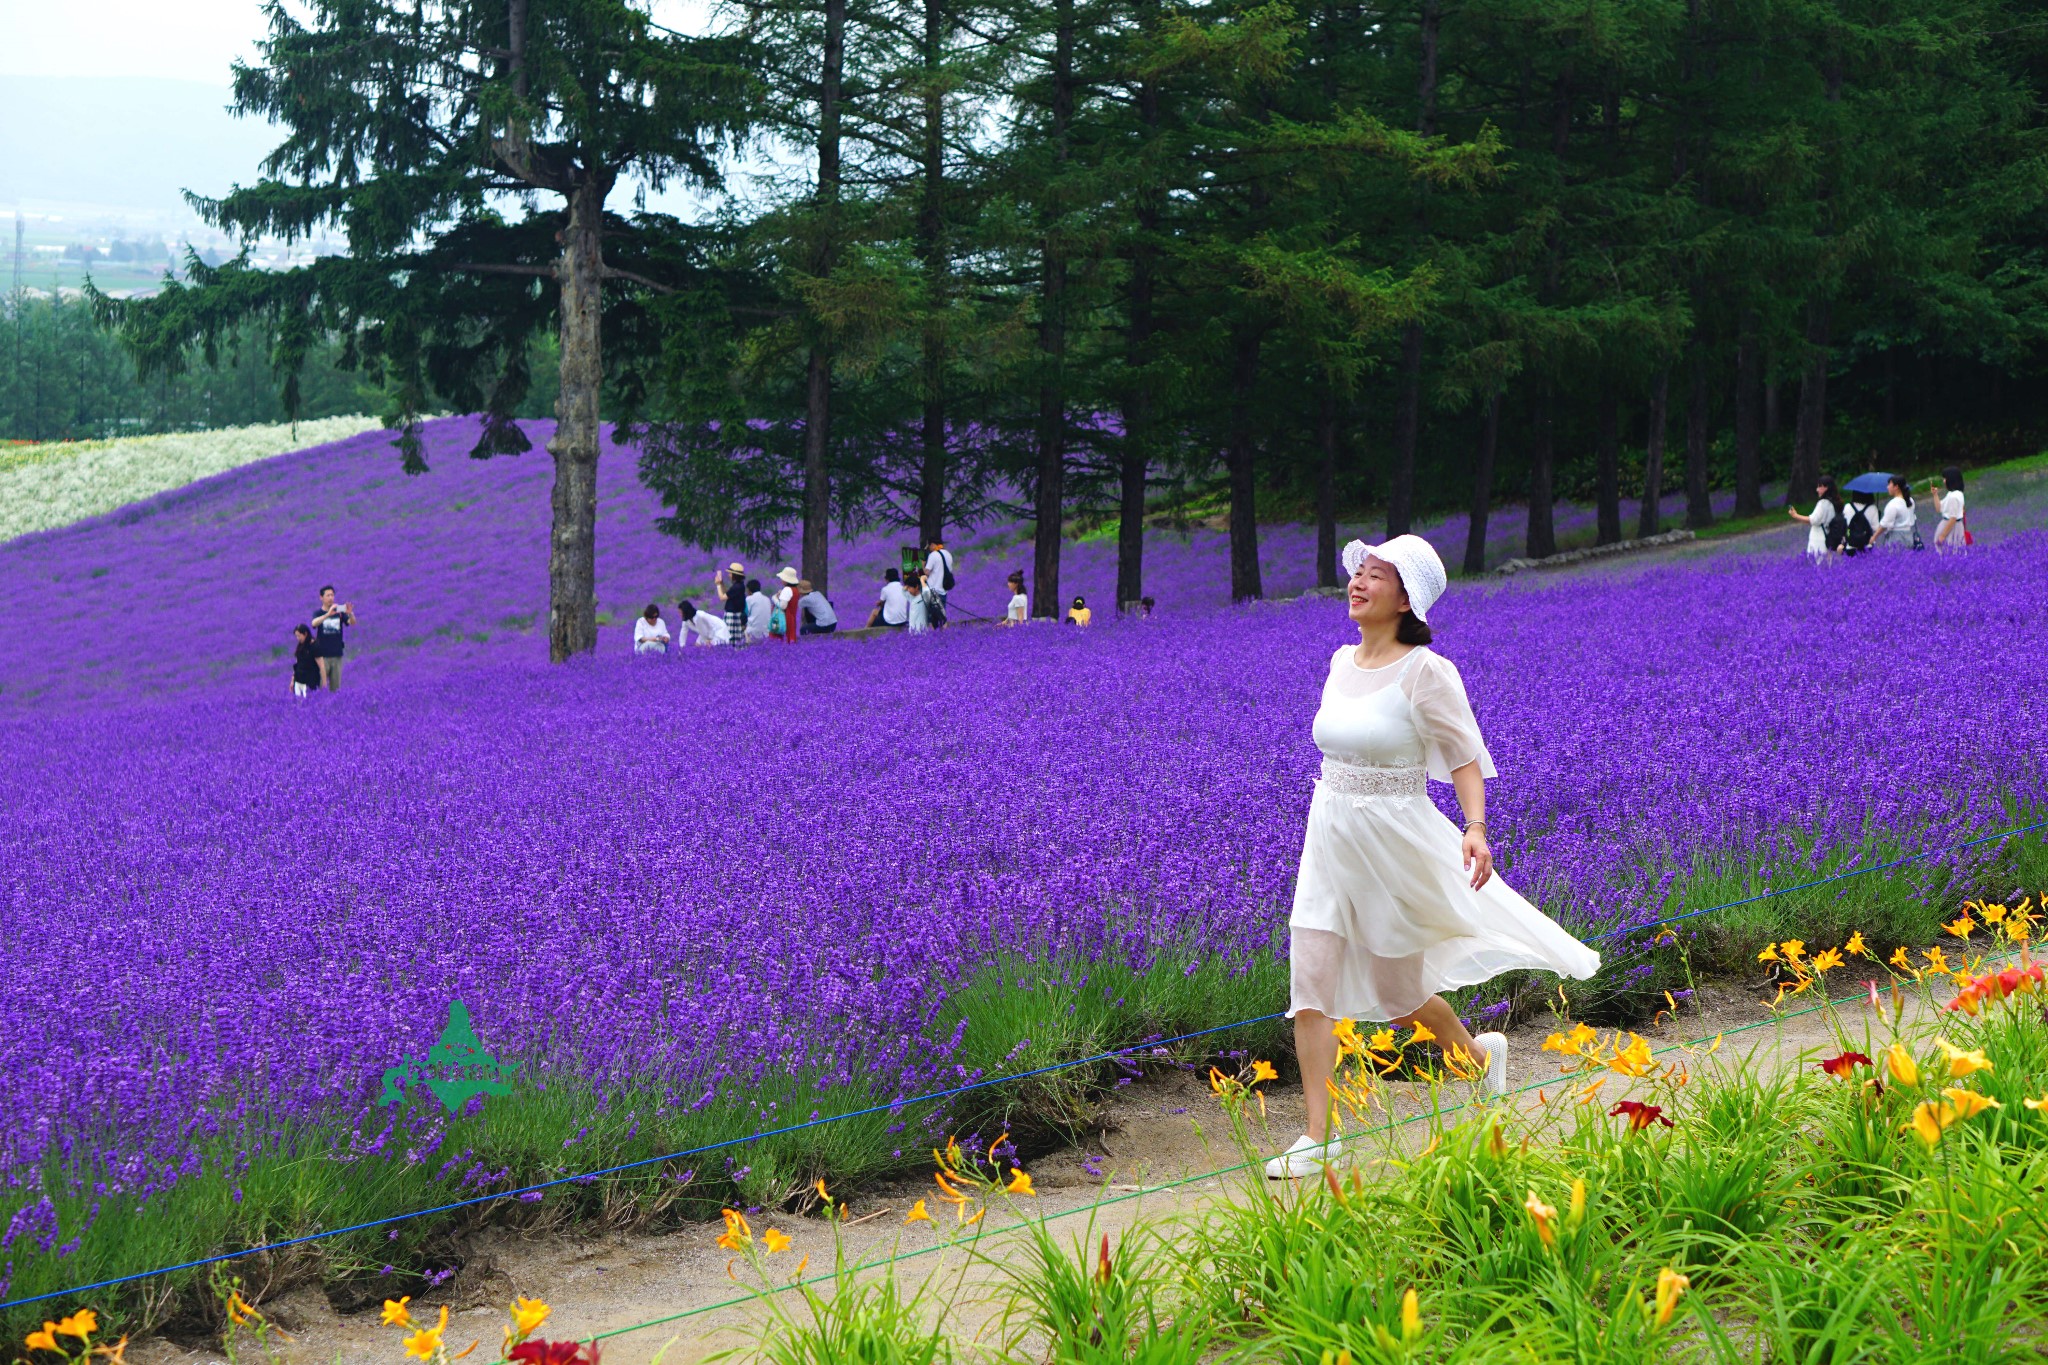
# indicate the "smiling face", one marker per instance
pixel 1376 595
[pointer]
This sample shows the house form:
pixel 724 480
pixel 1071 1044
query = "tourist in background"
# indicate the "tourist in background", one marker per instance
pixel 305 662
pixel 1954 531
pixel 330 638
pixel 733 591
pixel 1824 525
pixel 917 606
pixel 938 581
pixel 1019 610
pixel 650 633
pixel 1078 614
pixel 816 610
pixel 1898 526
pixel 785 605
pixel 760 612
pixel 1861 515
pixel 893 609
pixel 708 627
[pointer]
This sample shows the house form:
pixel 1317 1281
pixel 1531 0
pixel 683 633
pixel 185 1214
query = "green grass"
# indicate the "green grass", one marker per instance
pixel 1808 1221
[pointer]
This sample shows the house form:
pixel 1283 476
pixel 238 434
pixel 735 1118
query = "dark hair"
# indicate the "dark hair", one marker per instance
pixel 303 629
pixel 1829 491
pixel 327 587
pixel 688 609
pixel 892 576
pixel 653 612
pixel 1953 477
pixel 1018 578
pixel 1080 601
pixel 1412 629
pixel 753 585
pixel 1905 487
pixel 1147 603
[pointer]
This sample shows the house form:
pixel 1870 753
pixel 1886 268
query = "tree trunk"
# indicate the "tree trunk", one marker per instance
pixel 1482 488
pixel 1326 488
pixel 1408 409
pixel 933 474
pixel 1135 465
pixel 1699 508
pixel 1771 422
pixel 1607 475
pixel 1813 406
pixel 1749 454
pixel 1242 459
pixel 1651 519
pixel 1050 508
pixel 1407 426
pixel 818 386
pixel 1542 537
pixel 572 537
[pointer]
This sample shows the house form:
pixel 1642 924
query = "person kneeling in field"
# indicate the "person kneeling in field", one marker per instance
pixel 709 629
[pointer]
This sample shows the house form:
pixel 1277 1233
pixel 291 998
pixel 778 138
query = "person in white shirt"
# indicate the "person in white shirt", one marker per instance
pixel 919 619
pixel 937 566
pixel 785 602
pixel 1020 604
pixel 1954 529
pixel 1898 527
pixel 650 632
pixel 816 610
pixel 708 627
pixel 1826 508
pixel 760 609
pixel 893 610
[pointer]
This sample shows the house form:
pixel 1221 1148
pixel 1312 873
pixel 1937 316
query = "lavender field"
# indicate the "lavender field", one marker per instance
pixel 703 895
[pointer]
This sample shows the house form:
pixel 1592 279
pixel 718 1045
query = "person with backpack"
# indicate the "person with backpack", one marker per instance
pixel 938 581
pixel 1825 524
pixel 1862 527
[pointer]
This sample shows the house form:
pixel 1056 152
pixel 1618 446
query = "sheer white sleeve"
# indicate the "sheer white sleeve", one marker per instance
pixel 1443 714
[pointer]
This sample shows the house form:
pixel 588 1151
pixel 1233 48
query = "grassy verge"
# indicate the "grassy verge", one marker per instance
pixel 1019 1014
pixel 1883 1209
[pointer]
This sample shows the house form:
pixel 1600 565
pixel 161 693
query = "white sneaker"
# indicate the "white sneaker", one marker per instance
pixel 1305 1158
pixel 1495 1046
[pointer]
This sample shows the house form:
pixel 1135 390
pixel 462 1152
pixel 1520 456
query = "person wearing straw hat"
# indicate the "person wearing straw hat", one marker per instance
pixel 1394 904
pixel 734 591
pixel 785 602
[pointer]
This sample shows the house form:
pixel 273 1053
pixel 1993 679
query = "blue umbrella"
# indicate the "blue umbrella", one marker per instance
pixel 1868 483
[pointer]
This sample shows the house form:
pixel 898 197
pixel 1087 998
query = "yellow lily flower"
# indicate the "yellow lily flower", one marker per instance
pixel 1929 1120
pixel 81 1324
pixel 775 1240
pixel 528 1315
pixel 1968 1103
pixel 1900 960
pixel 1793 949
pixel 1544 1217
pixel 1961 1063
pixel 1382 1041
pixel 43 1340
pixel 395 1314
pixel 1962 927
pixel 1411 1316
pixel 1421 1034
pixel 1900 1063
pixel 425 1344
pixel 918 1214
pixel 1020 1183
pixel 1827 961
pixel 1769 954
pixel 1856 947
pixel 1263 1071
pixel 1670 1285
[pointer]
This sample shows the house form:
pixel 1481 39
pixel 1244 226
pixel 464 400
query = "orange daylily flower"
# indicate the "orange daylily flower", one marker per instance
pixel 918 1214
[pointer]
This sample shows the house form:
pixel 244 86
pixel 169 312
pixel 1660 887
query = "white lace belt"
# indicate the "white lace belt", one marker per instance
pixel 1354 779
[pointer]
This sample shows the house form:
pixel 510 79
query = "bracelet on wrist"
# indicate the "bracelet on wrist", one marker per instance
pixel 1480 822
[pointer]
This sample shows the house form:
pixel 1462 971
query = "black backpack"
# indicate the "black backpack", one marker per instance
pixel 1859 527
pixel 1837 529
pixel 946 573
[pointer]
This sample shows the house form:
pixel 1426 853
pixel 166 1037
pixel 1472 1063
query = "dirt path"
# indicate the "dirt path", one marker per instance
pixel 1163 1142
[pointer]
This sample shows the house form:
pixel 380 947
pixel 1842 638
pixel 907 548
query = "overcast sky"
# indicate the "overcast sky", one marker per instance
pixel 191 40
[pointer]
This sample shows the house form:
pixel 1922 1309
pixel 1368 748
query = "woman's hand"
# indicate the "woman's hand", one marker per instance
pixel 1478 857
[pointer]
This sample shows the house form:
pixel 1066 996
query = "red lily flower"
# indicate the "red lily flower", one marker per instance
pixel 1844 1064
pixel 555 1353
pixel 1640 1115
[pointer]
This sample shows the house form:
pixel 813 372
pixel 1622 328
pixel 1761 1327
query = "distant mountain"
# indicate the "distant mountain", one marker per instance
pixel 122 144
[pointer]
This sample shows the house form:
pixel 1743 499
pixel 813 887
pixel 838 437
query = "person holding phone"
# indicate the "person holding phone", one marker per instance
pixel 330 636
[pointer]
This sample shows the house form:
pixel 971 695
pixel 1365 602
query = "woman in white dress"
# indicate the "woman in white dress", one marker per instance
pixel 1953 530
pixel 1826 507
pixel 1393 904
pixel 1899 523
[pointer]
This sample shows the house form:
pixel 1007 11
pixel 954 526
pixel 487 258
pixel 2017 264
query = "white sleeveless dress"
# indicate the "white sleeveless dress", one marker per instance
pixel 1384 913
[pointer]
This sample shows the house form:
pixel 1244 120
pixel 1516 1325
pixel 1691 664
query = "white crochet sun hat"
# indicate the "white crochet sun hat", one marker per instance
pixel 1415 559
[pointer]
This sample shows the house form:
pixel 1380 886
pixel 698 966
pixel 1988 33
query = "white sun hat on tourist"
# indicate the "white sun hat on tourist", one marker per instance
pixel 1415 559
pixel 788 575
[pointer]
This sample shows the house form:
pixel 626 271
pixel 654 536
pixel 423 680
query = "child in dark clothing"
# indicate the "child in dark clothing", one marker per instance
pixel 305 663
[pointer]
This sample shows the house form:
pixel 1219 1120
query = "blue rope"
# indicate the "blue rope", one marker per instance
pixel 895 1105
